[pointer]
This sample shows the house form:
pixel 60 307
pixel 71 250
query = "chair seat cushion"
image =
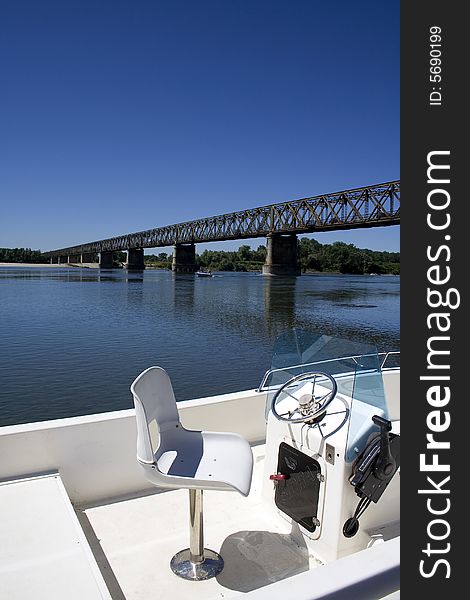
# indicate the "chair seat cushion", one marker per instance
pixel 204 460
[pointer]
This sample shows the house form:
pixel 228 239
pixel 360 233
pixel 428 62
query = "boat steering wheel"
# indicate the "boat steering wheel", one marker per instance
pixel 309 405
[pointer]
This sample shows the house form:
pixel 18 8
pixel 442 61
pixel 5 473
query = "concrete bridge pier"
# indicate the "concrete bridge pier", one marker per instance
pixel 282 255
pixel 106 260
pixel 184 258
pixel 135 259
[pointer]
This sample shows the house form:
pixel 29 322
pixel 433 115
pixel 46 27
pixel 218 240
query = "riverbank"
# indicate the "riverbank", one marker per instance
pixel 155 268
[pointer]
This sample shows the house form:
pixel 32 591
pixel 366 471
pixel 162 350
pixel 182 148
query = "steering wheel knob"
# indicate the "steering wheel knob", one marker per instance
pixel 305 399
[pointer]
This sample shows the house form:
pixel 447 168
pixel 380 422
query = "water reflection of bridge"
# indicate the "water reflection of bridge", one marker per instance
pixel 275 294
pixel 371 206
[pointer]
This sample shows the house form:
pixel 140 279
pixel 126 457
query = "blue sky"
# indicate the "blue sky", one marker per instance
pixel 123 115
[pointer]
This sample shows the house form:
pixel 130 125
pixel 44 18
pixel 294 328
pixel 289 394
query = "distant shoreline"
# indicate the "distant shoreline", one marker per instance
pixel 150 268
pixel 47 265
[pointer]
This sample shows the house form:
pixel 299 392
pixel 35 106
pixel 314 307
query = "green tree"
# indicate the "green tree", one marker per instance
pixel 18 255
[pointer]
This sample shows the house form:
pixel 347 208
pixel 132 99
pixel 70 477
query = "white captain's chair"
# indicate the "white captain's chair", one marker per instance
pixel 175 457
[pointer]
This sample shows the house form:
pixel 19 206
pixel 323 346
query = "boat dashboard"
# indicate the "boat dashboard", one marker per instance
pixel 332 451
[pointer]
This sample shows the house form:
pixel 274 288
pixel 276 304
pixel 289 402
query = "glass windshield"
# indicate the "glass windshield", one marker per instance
pixel 356 367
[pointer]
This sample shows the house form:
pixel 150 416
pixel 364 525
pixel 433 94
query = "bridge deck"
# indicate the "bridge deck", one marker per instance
pixel 372 206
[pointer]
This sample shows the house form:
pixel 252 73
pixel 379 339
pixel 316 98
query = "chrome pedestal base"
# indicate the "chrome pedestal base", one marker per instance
pixel 211 566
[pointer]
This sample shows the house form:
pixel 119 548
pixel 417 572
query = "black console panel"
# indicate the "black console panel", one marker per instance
pixel 297 494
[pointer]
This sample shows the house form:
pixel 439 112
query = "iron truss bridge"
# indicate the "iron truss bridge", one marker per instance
pixel 371 206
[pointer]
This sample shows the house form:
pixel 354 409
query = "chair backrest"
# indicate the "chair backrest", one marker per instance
pixel 155 409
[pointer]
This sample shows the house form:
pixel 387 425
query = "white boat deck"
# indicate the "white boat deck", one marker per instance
pixel 43 552
pixel 135 539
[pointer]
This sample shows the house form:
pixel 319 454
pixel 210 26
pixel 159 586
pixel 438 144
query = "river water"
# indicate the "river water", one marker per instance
pixel 72 340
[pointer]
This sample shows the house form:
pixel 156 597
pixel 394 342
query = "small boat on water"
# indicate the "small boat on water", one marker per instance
pixel 202 273
pixel 301 491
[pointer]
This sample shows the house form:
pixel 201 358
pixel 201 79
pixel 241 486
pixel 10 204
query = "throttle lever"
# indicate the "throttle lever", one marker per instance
pixel 385 464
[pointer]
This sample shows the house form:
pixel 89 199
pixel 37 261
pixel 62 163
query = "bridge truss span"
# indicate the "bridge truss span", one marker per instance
pixel 371 206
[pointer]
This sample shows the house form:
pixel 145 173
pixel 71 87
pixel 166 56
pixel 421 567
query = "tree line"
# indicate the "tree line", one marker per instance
pixel 314 257
pixel 20 255
pixel 346 258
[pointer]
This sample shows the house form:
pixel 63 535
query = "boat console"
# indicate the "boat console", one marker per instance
pixel 332 452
